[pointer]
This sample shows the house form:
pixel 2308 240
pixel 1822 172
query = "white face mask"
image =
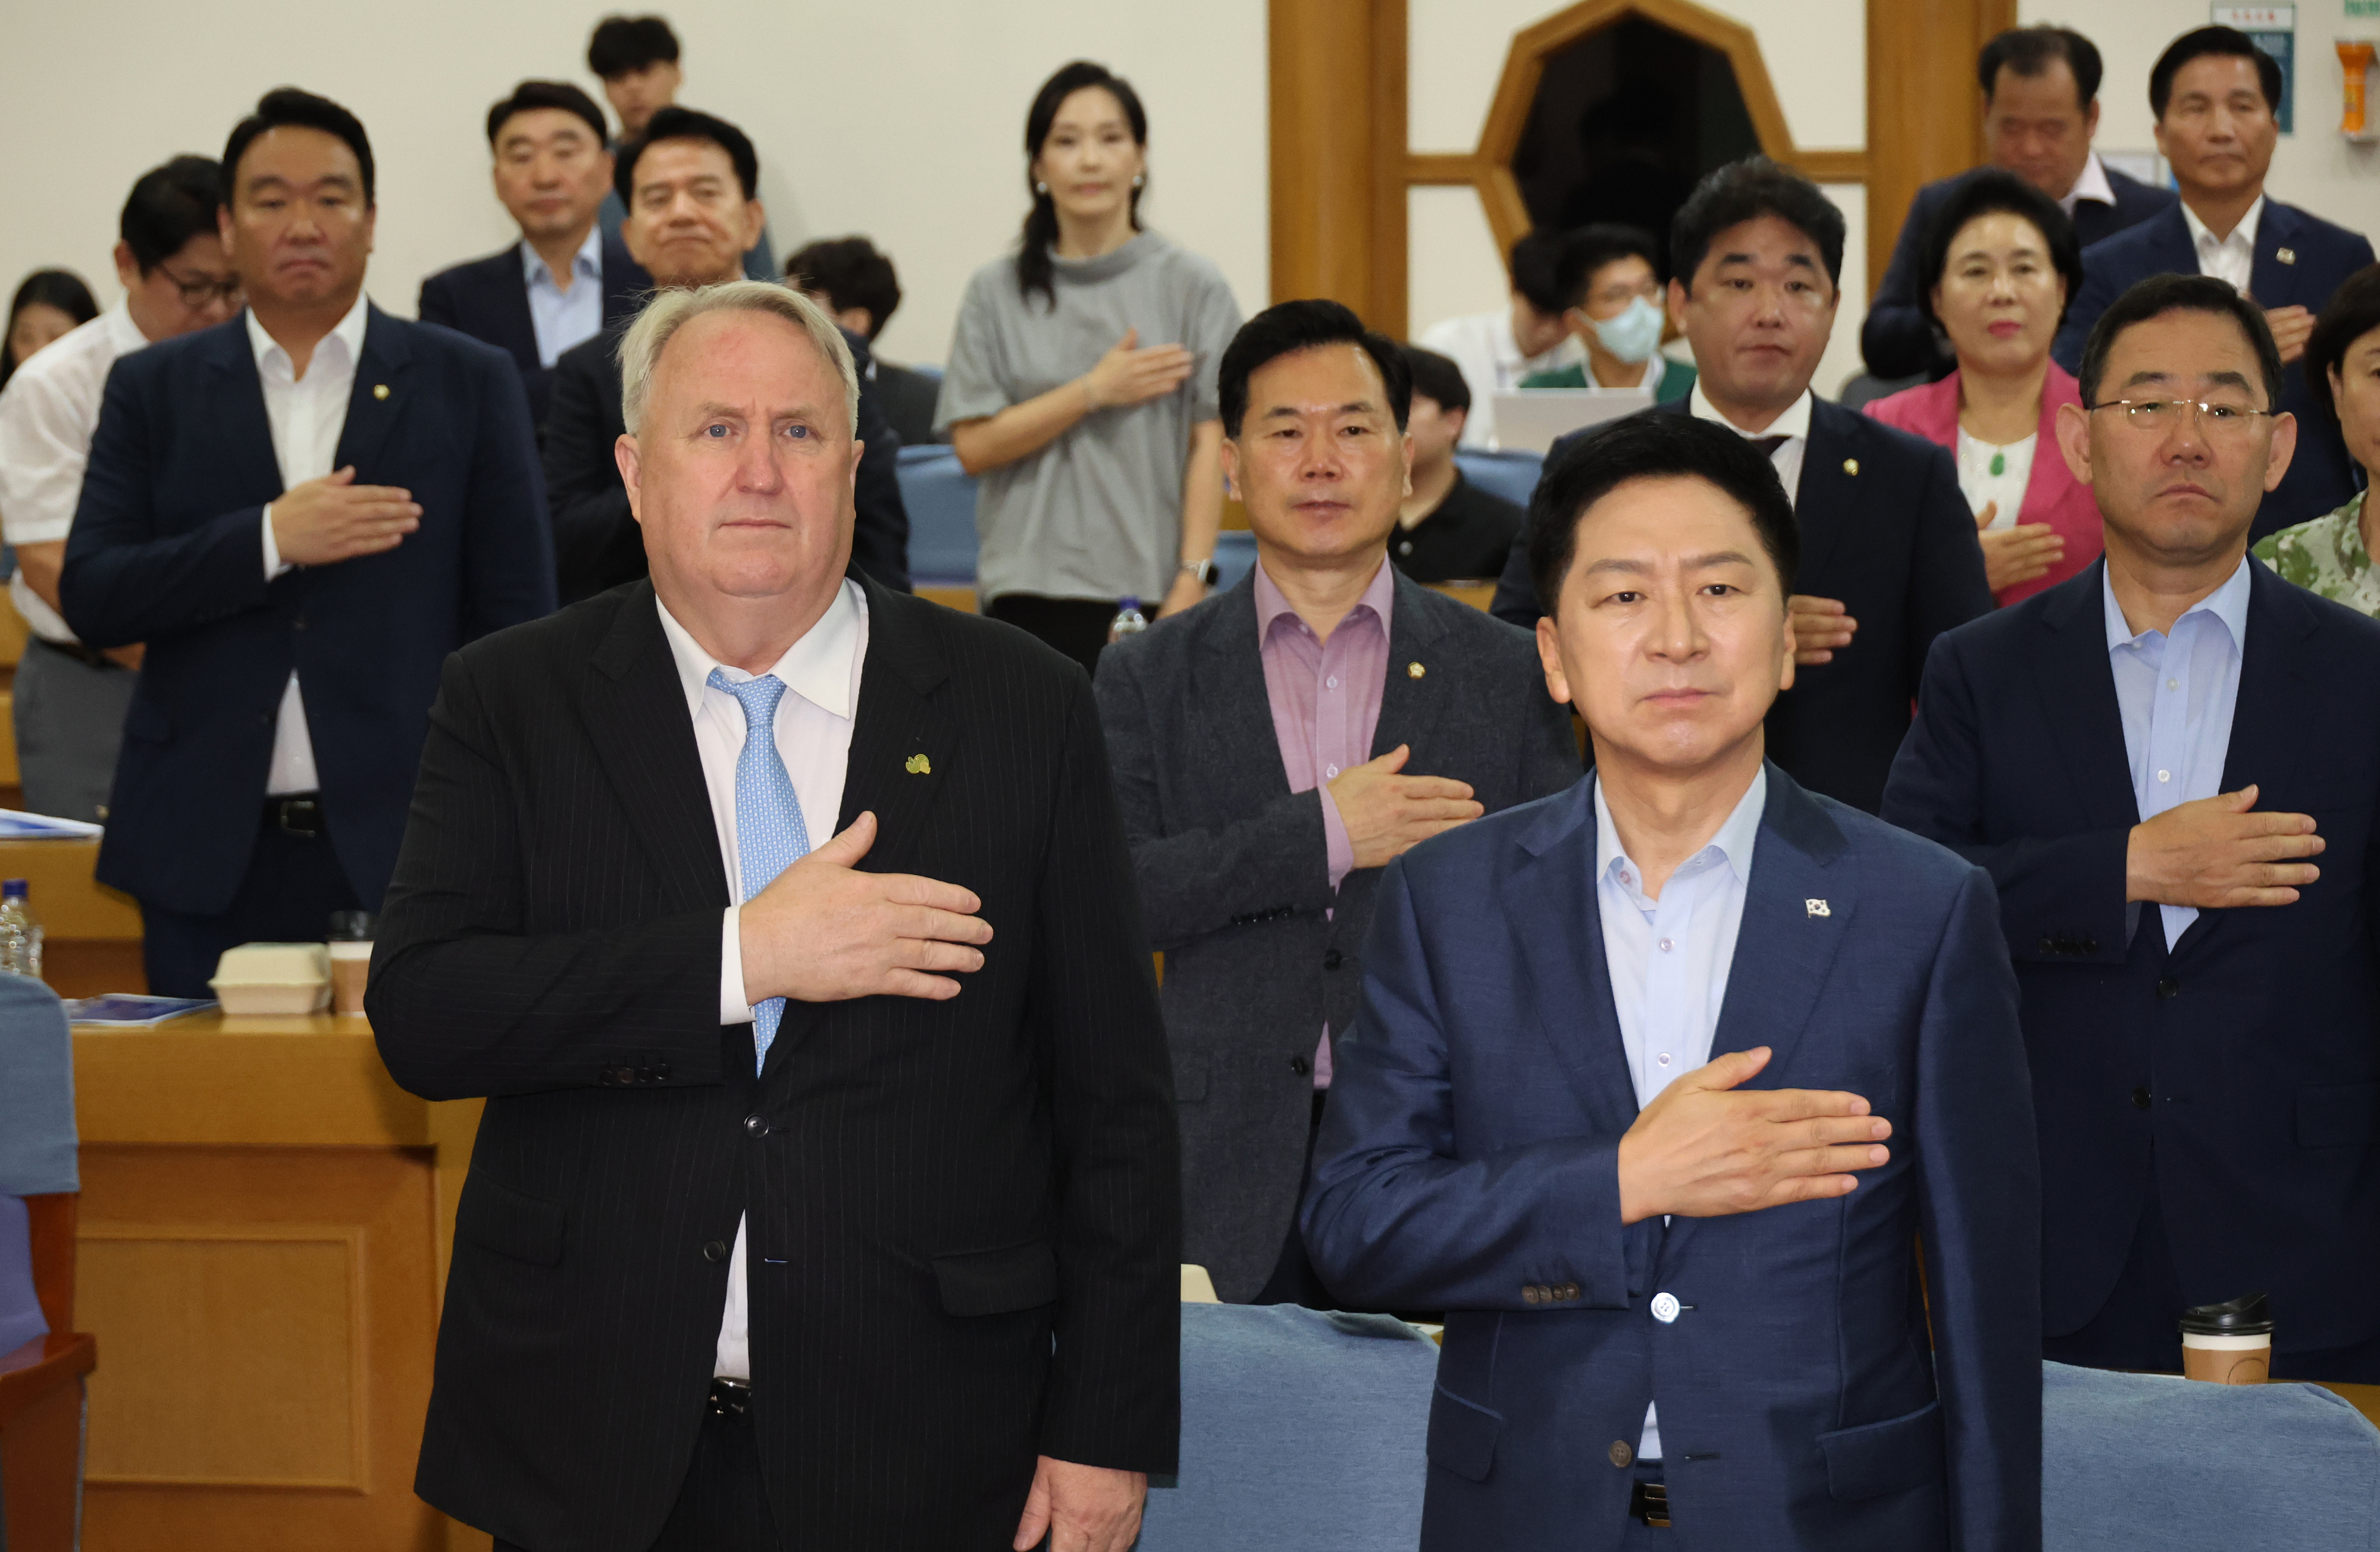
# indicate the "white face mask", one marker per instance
pixel 1634 334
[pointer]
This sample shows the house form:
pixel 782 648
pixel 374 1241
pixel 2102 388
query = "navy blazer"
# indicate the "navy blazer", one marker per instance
pixel 2320 258
pixel 2238 1077
pixel 167 549
pixel 597 543
pixel 488 300
pixel 1885 531
pixel 1467 1162
pixel 1898 340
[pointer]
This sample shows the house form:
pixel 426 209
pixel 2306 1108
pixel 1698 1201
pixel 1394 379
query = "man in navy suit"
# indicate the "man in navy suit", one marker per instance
pixel 2214 93
pixel 1888 554
pixel 567 280
pixel 2149 758
pixel 1619 1095
pixel 2041 109
pixel 302 512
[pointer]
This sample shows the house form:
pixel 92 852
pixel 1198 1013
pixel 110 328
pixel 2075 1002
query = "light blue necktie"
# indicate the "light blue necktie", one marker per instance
pixel 770 834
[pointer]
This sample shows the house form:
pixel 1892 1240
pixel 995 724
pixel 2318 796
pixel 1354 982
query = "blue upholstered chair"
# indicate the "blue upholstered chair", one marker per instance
pixel 41 1362
pixel 1512 474
pixel 941 499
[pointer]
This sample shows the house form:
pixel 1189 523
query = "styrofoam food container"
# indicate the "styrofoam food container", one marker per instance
pixel 272 978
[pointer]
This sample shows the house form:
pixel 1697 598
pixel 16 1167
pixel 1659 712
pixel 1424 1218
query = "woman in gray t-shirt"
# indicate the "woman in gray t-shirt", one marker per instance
pixel 1080 388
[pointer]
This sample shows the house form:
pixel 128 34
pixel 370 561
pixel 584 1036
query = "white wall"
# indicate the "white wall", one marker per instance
pixel 903 119
pixel 1815 54
pixel 2313 166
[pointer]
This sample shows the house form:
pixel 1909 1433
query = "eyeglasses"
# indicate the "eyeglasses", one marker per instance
pixel 2159 416
pixel 200 293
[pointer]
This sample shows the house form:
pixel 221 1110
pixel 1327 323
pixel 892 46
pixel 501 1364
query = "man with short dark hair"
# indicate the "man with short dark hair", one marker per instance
pixel 2170 764
pixel 2041 109
pixel 1448 530
pixel 692 182
pixel 1275 747
pixel 302 513
pixel 2214 92
pixel 1612 275
pixel 1675 1089
pixel 1889 557
pixel 70 697
pixel 637 60
pixel 1496 350
pixel 565 281
pixel 859 288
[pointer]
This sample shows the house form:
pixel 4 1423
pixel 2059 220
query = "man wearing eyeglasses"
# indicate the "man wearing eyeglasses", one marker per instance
pixel 70 697
pixel 2170 766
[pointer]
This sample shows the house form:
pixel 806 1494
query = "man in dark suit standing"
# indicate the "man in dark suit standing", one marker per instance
pixel 565 281
pixel 1618 1054
pixel 2149 758
pixel 2041 109
pixel 689 180
pixel 302 512
pixel 1889 559
pixel 2214 93
pixel 1278 744
pixel 949 1314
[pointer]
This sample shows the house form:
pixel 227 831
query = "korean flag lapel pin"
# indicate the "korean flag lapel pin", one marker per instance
pixel 1816 907
pixel 918 765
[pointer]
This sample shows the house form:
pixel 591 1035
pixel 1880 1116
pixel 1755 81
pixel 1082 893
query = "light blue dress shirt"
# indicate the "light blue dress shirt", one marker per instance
pixel 1669 957
pixel 563 319
pixel 2177 692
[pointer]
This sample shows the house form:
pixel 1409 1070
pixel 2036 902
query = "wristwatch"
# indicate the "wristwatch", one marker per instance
pixel 1203 570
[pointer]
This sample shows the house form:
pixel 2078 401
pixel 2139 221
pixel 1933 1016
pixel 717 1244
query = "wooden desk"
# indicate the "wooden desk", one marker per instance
pixel 91 933
pixel 266 1220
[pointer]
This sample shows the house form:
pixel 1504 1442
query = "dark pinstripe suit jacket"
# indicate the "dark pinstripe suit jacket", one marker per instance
pixel 936 1189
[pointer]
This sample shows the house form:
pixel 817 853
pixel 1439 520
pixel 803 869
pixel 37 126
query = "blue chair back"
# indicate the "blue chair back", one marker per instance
pixel 941 499
pixel 37 1139
pixel 1299 1429
pixel 1512 473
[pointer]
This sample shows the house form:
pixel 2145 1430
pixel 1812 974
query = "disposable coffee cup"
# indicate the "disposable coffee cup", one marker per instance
pixel 351 951
pixel 2230 1344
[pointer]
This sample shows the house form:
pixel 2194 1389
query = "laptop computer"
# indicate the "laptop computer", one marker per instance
pixel 1533 420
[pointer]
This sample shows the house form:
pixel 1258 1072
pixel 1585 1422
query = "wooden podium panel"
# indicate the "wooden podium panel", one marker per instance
pixel 265 1223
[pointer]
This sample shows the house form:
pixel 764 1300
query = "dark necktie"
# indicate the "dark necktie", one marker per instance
pixel 1768 445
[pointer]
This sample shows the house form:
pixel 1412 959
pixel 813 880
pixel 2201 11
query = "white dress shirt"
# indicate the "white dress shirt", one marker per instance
pixel 1793 426
pixel 47 415
pixel 560 317
pixel 306 416
pixel 1669 957
pixel 820 673
pixel 1483 345
pixel 2232 257
pixel 2091 186
pixel 2176 693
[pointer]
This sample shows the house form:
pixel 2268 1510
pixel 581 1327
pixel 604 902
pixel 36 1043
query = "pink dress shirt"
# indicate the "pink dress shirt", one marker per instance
pixel 1326 708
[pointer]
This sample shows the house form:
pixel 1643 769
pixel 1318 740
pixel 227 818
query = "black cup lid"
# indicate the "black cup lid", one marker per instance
pixel 2250 1314
pixel 351 926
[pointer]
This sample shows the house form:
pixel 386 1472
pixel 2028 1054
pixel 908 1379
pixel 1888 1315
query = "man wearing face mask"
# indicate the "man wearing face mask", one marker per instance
pixel 1607 275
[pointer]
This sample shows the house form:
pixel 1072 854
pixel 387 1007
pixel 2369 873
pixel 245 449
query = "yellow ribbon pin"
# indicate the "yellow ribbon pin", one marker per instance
pixel 919 766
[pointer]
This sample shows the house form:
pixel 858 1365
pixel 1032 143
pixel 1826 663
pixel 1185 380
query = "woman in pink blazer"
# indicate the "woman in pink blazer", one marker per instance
pixel 2003 261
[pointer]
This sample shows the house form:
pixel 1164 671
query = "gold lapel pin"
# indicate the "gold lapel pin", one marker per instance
pixel 380 390
pixel 1816 907
pixel 2287 256
pixel 1851 466
pixel 1415 671
pixel 919 766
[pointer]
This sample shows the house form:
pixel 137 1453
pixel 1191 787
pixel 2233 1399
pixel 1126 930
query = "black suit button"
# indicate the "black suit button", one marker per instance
pixel 756 1125
pixel 2140 1099
pixel 623 1076
pixel 1330 958
pixel 2049 945
pixel 1300 1066
pixel 1620 1455
pixel 2169 986
pixel 714 1251
pixel 2087 946
pixel 659 1071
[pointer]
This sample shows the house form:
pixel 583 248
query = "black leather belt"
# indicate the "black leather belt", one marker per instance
pixel 1650 1503
pixel 89 657
pixel 299 814
pixel 733 1398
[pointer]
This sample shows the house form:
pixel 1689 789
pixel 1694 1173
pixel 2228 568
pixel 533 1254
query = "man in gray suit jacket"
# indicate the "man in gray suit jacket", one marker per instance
pixel 1275 746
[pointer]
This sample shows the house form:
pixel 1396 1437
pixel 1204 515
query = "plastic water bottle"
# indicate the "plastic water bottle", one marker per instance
pixel 20 932
pixel 1129 621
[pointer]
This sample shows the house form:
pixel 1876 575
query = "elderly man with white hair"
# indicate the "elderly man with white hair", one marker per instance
pixel 827 1191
